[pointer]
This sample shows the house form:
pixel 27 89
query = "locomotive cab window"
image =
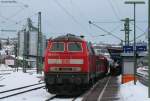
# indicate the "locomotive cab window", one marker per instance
pixel 74 46
pixel 57 47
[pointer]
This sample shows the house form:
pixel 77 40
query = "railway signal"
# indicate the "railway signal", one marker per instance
pixel 126 29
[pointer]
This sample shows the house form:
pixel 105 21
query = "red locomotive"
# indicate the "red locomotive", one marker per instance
pixel 71 64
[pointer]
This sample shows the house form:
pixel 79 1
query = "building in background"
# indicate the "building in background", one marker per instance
pixel 28 42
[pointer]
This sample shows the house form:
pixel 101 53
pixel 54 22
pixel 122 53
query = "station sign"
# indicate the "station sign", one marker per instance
pixel 141 48
pixel 127 49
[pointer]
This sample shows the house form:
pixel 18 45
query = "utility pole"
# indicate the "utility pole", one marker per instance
pixel 127 30
pixel 149 48
pixel 39 46
pixel 24 51
pixel 134 3
pixel 18 51
pixel 16 55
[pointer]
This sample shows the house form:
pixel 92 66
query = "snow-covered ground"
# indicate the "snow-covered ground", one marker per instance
pixel 128 91
pixel 131 92
pixel 20 79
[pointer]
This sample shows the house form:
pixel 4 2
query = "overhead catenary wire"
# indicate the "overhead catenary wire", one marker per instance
pixel 20 21
pixel 71 16
pixel 138 27
pixel 17 12
pixel 113 21
pixel 144 33
pixel 113 9
pixel 64 9
pixel 22 6
pixel 80 12
pixel 114 29
pixel 21 3
pixel 117 7
pixel 109 33
pixel 139 21
pixel 35 14
pixel 106 22
pixel 6 19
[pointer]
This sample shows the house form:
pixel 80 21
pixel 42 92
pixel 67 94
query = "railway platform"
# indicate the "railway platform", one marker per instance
pixel 107 89
pixel 111 90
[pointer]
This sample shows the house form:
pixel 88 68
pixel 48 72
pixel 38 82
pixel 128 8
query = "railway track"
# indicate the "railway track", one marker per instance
pixel 88 95
pixel 143 78
pixel 5 73
pixel 16 70
pixel 97 90
pixel 6 70
pixel 20 90
pixel 2 78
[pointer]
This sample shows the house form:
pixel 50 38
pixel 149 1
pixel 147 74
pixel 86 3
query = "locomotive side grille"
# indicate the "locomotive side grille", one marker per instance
pixel 65 69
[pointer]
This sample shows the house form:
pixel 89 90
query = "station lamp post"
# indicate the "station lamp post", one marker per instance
pixel 134 45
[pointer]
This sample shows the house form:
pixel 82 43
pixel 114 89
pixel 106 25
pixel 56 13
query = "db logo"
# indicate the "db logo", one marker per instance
pixel 65 61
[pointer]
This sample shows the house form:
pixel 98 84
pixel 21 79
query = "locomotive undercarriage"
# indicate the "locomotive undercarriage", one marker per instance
pixel 68 84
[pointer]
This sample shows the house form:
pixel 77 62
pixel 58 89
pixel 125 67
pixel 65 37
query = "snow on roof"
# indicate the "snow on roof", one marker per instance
pixel 19 57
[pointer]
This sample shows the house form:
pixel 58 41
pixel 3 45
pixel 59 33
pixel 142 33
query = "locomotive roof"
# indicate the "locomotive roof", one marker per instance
pixel 68 37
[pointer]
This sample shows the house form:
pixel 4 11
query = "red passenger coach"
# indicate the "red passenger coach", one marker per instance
pixel 102 64
pixel 70 63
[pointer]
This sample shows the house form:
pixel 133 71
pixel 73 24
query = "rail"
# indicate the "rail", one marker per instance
pixel 20 90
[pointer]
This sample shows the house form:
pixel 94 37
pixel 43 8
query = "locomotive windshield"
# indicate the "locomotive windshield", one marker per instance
pixel 74 46
pixel 57 46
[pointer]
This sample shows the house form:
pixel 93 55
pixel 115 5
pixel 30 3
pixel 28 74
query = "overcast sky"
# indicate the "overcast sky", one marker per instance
pixel 72 16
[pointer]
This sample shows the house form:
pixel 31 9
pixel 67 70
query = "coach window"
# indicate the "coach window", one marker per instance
pixel 57 46
pixel 74 46
pixel 91 50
